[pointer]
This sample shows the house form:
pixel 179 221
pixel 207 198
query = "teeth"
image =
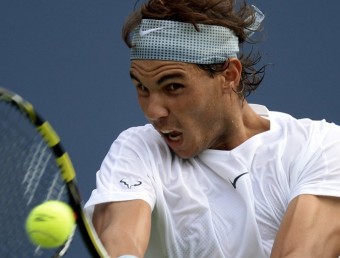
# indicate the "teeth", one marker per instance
pixel 174 138
pixel 171 135
pixel 166 131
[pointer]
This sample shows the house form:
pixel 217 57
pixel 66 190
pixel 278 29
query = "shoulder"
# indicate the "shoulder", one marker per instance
pixel 311 153
pixel 144 135
pixel 140 141
pixel 302 141
pixel 146 129
pixel 291 126
pixel 303 129
pixel 305 137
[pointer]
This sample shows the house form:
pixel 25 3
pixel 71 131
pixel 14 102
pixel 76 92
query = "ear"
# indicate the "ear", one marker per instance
pixel 232 75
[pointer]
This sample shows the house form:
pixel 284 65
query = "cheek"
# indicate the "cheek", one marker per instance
pixel 206 105
pixel 201 116
pixel 201 106
pixel 142 103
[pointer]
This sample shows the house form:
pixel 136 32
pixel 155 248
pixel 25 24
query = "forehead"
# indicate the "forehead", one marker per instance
pixel 159 67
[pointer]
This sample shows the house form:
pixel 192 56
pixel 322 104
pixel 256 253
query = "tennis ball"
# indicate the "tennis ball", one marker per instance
pixel 50 224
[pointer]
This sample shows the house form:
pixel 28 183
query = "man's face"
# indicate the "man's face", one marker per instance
pixel 185 105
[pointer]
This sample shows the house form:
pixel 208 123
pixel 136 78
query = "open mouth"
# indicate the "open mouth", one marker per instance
pixel 171 135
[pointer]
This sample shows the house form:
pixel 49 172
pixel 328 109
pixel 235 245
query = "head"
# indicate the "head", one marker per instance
pixel 190 96
pixel 226 13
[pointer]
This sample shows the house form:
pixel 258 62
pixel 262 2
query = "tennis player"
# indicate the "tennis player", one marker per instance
pixel 211 175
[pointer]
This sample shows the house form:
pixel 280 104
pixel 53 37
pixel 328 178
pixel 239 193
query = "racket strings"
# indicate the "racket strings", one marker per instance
pixel 38 159
pixel 29 176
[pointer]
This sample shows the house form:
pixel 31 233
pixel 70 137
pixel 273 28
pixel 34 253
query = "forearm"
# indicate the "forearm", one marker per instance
pixel 310 229
pixel 320 247
pixel 119 242
pixel 123 227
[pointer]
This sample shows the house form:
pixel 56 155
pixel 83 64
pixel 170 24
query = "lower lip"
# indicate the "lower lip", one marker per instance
pixel 174 144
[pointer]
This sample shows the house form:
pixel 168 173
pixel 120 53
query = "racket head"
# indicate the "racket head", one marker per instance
pixel 34 169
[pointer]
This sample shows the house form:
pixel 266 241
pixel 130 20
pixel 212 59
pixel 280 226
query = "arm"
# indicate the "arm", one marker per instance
pixel 310 228
pixel 123 227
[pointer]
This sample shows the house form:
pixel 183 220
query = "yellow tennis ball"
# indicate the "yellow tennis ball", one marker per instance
pixel 50 224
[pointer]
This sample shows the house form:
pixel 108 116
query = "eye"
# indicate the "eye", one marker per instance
pixel 173 87
pixel 142 87
pixel 142 90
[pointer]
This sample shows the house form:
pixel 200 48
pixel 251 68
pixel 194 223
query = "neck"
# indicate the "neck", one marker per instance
pixel 245 124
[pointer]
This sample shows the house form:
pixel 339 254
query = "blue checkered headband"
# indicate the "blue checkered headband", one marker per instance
pixel 179 41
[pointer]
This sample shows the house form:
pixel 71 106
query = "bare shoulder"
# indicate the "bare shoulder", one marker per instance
pixel 310 228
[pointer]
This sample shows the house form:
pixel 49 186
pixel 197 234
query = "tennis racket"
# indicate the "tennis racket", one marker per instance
pixel 34 168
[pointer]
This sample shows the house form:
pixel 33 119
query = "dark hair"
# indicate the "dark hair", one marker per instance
pixel 214 12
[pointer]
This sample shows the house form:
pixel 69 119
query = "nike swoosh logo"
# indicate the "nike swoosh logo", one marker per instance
pixel 237 178
pixel 142 33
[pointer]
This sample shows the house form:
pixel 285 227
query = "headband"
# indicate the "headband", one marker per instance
pixel 180 41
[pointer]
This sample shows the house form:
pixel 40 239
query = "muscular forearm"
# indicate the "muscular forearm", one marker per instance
pixel 123 227
pixel 310 229
pixel 118 243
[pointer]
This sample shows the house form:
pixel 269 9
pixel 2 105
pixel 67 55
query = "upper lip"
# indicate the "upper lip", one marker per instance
pixel 165 129
pixel 168 131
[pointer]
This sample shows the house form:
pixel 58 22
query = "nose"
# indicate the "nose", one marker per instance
pixel 154 107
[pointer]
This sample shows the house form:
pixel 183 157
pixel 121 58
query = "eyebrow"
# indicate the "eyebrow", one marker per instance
pixel 170 77
pixel 162 79
pixel 133 77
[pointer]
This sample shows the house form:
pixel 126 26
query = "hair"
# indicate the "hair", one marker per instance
pixel 225 13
